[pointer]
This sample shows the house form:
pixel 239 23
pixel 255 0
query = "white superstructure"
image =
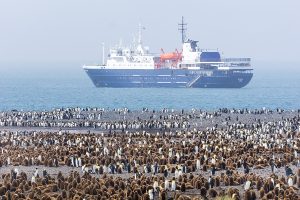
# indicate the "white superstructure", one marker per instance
pixel 135 57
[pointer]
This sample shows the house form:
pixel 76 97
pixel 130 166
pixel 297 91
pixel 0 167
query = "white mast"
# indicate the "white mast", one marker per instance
pixel 140 34
pixel 103 53
pixel 139 48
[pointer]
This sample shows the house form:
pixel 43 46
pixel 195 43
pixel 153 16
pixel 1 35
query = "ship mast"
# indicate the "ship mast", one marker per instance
pixel 103 53
pixel 140 34
pixel 139 48
pixel 182 27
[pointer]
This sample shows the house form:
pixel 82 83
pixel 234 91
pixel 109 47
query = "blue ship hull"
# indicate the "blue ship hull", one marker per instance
pixel 169 78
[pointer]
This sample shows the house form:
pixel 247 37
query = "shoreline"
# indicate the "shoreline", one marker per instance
pixel 145 120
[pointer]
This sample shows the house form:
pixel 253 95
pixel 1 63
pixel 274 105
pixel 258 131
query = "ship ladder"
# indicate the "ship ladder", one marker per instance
pixel 191 83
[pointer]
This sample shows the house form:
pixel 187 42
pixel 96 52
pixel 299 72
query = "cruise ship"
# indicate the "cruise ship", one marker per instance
pixel 191 67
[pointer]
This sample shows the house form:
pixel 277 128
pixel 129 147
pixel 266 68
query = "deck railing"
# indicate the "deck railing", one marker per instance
pixel 236 60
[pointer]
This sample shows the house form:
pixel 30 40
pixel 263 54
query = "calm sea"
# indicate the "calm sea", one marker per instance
pixel 46 86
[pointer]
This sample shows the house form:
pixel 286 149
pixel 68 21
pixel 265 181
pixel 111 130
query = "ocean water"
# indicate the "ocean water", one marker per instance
pixel 46 86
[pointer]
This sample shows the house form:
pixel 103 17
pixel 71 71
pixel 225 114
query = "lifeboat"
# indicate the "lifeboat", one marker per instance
pixel 172 56
pixel 168 59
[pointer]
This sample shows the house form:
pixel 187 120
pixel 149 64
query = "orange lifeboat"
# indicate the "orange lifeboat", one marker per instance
pixel 173 56
pixel 168 59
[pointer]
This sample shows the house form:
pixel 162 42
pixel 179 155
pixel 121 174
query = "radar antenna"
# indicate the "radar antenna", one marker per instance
pixel 182 27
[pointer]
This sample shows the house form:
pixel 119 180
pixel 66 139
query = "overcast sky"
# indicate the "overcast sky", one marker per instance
pixel 73 30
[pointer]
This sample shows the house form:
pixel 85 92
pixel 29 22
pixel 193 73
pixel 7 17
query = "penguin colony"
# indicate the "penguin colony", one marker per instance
pixel 258 159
